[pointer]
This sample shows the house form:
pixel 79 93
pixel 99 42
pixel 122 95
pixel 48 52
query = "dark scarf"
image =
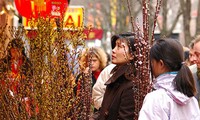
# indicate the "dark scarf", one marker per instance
pixel 117 71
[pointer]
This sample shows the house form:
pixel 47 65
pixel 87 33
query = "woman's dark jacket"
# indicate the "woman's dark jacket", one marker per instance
pixel 118 102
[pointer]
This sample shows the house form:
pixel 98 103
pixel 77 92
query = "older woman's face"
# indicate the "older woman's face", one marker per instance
pixel 95 63
pixel 120 53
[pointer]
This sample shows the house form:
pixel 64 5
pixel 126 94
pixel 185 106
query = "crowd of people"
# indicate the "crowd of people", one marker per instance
pixel 175 90
pixel 175 93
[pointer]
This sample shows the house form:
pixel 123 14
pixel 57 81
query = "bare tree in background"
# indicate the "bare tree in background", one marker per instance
pixel 186 9
pixel 179 10
pixel 198 20
pixel 164 27
pixel 168 22
pixel 123 17
pixel 186 6
pixel 113 14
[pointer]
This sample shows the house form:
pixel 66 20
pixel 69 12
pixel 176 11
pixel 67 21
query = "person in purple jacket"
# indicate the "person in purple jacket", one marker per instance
pixel 173 97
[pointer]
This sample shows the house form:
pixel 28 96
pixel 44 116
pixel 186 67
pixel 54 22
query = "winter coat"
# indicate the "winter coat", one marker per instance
pixel 99 88
pixel 118 101
pixel 166 103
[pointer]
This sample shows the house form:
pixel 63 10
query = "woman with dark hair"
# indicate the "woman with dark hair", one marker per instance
pixel 174 87
pixel 119 101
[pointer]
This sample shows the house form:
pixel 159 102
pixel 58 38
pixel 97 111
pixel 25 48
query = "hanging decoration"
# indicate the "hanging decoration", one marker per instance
pixel 41 8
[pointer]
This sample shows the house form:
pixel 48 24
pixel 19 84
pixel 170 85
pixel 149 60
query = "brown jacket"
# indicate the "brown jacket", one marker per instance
pixel 118 102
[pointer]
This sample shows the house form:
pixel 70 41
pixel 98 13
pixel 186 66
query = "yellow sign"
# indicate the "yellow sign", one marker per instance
pixel 73 17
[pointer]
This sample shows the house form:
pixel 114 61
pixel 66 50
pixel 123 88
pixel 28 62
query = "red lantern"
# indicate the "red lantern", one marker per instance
pixel 42 8
pixel 24 7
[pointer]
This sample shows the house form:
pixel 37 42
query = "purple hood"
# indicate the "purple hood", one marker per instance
pixel 165 81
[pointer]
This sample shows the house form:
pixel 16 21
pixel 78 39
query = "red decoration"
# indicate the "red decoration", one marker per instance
pixel 23 7
pixel 42 8
pixel 94 34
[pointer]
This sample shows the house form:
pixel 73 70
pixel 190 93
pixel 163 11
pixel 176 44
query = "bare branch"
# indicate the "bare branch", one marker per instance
pixel 175 22
pixel 155 17
pixel 132 19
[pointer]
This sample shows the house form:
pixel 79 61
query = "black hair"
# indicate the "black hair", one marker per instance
pixel 186 55
pixel 170 51
pixel 126 36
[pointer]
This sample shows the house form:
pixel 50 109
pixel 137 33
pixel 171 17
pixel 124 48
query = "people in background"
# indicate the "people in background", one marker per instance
pixel 186 55
pixel 191 53
pixel 174 86
pixel 195 60
pixel 92 60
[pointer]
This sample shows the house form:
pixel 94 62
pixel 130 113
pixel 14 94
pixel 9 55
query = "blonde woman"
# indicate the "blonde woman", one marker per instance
pixel 98 61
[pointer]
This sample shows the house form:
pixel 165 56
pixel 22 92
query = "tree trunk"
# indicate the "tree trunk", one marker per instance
pixel 186 8
pixel 198 20
pixel 166 30
pixel 163 32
